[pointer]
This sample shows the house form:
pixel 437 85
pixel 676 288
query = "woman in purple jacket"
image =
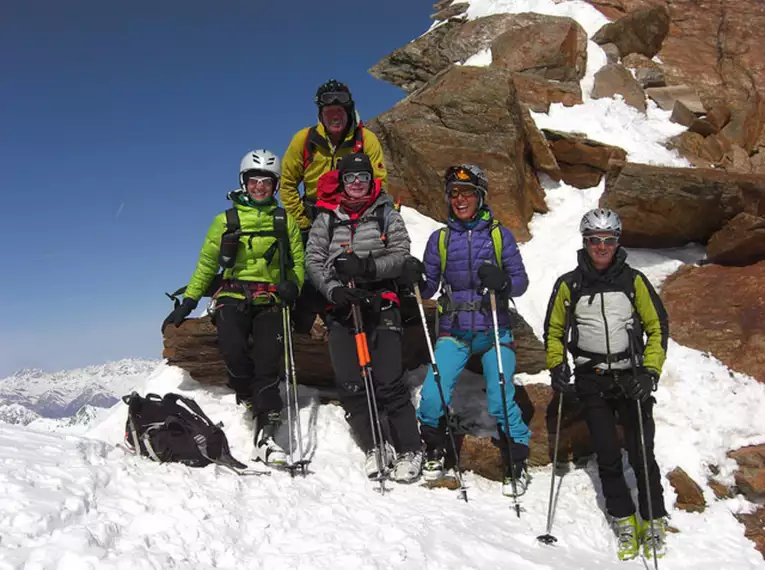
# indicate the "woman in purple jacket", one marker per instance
pixel 466 325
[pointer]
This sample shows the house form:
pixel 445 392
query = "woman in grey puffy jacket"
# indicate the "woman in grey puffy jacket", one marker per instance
pixel 359 237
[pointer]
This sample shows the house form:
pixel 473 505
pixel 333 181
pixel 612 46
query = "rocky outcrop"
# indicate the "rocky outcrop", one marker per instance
pixel 466 114
pixel 537 93
pixel 642 31
pixel 648 73
pixel 754 523
pixel 194 347
pixel 582 161
pixel 740 242
pixel 706 315
pixel 614 79
pixel 750 475
pixel 690 497
pixel 513 38
pixel 667 207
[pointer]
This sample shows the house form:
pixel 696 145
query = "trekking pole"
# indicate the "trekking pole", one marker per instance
pixel 548 538
pixel 287 348
pixel 633 362
pixel 508 439
pixel 437 377
pixel 365 364
pixel 302 462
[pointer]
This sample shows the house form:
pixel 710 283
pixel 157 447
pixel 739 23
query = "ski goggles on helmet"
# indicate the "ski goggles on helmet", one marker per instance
pixel 330 97
pixel 265 181
pixel 460 174
pixel 351 177
pixel 610 241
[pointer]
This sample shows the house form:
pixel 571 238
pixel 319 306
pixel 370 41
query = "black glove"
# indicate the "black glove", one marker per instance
pixel 288 292
pixel 492 277
pixel 560 379
pixel 180 313
pixel 351 266
pixel 412 271
pixel 640 385
pixel 347 296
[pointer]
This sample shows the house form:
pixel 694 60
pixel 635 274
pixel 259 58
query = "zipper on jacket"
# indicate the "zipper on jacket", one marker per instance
pixel 470 272
pixel 605 326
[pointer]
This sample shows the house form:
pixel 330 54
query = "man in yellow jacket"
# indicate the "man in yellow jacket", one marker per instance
pixel 316 150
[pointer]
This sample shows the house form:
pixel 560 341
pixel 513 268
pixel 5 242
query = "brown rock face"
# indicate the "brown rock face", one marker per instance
pixel 706 315
pixel 539 409
pixel 614 79
pixel 667 207
pixel 582 161
pixel 689 495
pixel 537 93
pixel 647 72
pixel 416 63
pixel 560 56
pixel 740 242
pixel 541 156
pixel 641 31
pixel 750 477
pixel 466 114
pixel 714 45
pixel 194 347
pixel 755 528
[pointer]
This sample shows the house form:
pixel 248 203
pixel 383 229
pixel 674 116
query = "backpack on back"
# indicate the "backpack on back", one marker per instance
pixel 174 428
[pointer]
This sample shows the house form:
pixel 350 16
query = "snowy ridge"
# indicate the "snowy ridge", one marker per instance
pixel 62 394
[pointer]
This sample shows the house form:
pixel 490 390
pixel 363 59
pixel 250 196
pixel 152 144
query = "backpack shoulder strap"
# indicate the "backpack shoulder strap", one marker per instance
pixel 383 213
pixel 309 146
pixel 358 138
pixel 443 245
pixel 233 224
pixel 496 239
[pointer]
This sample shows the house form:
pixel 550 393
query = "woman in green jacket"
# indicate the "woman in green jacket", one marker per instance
pixel 261 252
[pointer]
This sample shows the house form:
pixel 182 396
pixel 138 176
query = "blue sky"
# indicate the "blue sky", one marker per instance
pixel 121 129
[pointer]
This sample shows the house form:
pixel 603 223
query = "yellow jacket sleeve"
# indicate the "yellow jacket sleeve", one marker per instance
pixel 292 177
pixel 655 321
pixel 373 149
pixel 556 323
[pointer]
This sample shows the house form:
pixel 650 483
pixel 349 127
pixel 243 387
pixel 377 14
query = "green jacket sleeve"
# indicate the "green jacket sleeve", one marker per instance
pixel 373 149
pixel 292 176
pixel 297 250
pixel 207 266
pixel 556 323
pixel 655 321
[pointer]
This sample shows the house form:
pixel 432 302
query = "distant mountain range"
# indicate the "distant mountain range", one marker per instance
pixel 69 398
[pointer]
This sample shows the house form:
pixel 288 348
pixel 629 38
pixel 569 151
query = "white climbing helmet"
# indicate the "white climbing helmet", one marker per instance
pixel 260 160
pixel 600 220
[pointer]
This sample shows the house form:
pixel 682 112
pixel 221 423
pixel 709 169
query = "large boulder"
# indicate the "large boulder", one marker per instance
pixel 466 114
pixel 614 79
pixel 642 31
pixel 557 46
pixel 668 207
pixel 740 242
pixel 194 347
pixel 537 93
pixel 582 161
pixel 551 47
pixel 704 313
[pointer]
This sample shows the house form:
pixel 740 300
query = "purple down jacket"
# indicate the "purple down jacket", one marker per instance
pixel 467 250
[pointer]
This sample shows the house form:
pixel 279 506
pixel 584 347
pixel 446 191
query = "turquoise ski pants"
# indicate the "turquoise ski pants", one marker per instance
pixel 452 354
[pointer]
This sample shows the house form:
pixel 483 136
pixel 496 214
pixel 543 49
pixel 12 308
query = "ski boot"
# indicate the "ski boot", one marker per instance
pixel 626 529
pixel 433 470
pixel 408 467
pixel 520 472
pixel 657 537
pixel 370 463
pixel 266 449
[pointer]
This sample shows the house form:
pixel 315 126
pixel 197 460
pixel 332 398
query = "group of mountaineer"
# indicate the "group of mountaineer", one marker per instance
pixel 342 251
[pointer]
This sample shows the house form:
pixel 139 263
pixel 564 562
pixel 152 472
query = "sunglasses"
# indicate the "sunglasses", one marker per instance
pixel 351 177
pixel 335 97
pixel 464 190
pixel 265 181
pixel 597 240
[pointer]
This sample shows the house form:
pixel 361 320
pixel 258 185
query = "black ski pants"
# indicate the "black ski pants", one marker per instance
pixel 604 405
pixel 394 402
pixel 253 369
